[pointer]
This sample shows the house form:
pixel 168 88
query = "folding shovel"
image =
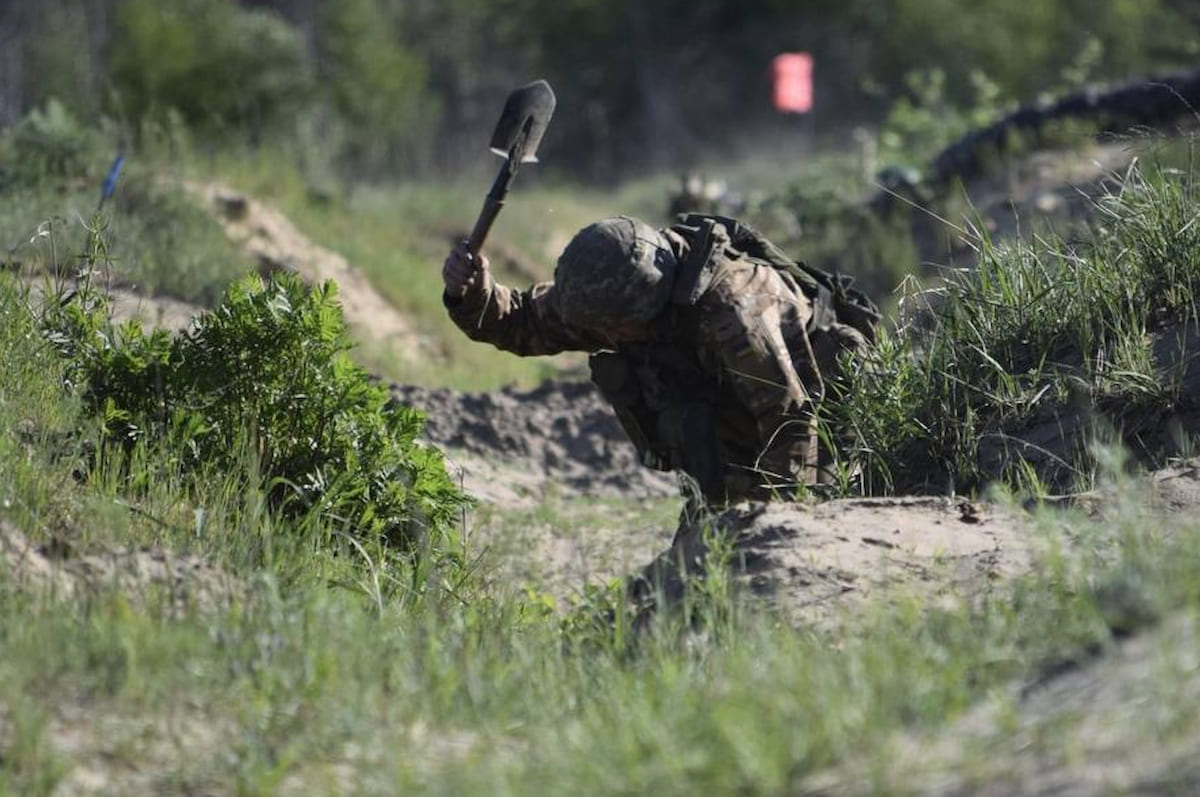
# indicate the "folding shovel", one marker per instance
pixel 522 124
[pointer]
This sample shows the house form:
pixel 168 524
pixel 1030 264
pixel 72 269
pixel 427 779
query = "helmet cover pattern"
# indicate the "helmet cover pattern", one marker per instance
pixel 614 271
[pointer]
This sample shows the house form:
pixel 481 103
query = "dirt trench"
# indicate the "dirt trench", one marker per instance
pixel 151 577
pixel 512 446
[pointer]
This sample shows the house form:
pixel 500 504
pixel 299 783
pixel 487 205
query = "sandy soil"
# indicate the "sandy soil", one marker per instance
pixel 269 236
pixel 152 577
pixel 512 446
pixel 812 562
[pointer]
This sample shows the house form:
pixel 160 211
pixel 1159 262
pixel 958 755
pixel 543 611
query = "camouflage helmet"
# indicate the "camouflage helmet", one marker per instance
pixel 616 270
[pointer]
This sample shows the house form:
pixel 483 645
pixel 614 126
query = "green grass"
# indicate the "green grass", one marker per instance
pixel 1036 327
pixel 559 545
pixel 162 241
pixel 315 678
pixel 339 668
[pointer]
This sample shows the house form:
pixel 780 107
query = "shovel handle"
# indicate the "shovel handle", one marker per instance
pixel 493 202
pixel 483 225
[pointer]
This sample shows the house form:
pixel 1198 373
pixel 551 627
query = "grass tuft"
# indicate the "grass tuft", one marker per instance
pixel 1047 332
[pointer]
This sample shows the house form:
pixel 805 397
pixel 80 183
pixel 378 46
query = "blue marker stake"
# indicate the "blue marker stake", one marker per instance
pixel 110 182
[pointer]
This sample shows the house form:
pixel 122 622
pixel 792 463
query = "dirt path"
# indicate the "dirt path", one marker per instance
pixel 267 235
pixel 54 570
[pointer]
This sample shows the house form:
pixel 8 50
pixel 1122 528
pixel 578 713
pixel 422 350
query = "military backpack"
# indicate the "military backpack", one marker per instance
pixel 709 237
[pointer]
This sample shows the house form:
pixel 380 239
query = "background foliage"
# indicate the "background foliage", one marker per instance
pixel 399 87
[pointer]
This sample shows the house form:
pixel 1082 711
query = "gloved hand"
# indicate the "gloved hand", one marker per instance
pixel 463 270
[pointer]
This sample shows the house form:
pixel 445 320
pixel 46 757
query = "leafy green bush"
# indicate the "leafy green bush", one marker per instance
pixel 263 380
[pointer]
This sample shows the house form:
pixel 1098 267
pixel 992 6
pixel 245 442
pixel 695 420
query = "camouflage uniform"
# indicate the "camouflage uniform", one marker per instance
pixel 725 388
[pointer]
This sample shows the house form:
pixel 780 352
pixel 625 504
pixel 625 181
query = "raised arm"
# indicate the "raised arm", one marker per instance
pixel 522 322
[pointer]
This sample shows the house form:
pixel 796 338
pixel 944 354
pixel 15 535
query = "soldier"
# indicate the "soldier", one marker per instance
pixel 713 348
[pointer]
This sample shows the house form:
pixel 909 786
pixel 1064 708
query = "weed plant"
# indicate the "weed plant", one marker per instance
pixel 51 170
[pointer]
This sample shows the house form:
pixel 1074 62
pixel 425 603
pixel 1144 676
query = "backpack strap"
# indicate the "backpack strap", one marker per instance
pixel 707 242
pixel 833 296
pixel 752 243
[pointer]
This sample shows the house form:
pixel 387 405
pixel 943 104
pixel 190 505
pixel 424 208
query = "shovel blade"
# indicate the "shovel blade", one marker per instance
pixel 523 122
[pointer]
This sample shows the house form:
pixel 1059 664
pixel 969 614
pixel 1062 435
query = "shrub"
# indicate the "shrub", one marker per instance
pixel 263 383
pixel 49 142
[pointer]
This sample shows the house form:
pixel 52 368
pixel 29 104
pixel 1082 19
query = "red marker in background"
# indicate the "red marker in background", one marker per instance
pixel 792 76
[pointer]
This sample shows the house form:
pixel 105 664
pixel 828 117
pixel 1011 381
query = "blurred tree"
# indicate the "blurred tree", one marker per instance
pixel 223 68
pixel 382 85
pixel 1186 9
pixel 1024 47
pixel 647 83
pixel 63 51
pixel 376 88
